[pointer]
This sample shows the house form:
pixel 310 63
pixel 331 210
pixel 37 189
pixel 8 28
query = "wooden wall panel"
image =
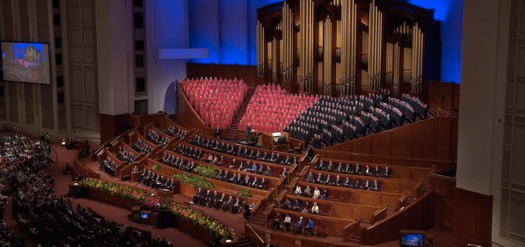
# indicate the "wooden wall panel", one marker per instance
pixel 111 126
pixel 427 142
pixel 443 150
pixel 375 148
pixel 406 142
pixel 444 96
pixel 385 146
pixel 472 218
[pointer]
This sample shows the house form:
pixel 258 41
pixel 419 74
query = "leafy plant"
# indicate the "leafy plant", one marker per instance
pixel 197 181
pixel 206 171
pixel 259 145
pixel 135 218
pixel 244 193
pixel 155 168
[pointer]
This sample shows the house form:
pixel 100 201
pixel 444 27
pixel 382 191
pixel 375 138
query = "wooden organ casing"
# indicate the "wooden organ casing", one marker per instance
pixel 347 47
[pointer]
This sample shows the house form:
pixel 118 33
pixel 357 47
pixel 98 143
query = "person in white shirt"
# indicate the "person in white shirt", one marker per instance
pixel 287 223
pixel 317 193
pixel 298 191
pixel 315 208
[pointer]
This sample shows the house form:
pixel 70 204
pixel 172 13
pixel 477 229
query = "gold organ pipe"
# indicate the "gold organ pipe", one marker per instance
pixel 422 42
pixel 354 47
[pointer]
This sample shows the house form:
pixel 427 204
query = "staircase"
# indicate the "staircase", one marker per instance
pixel 259 219
pixel 234 127
pixel 245 242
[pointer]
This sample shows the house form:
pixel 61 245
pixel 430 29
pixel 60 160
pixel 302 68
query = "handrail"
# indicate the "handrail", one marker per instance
pixel 185 98
pixel 263 203
pixel 351 229
pixel 402 202
pixel 255 233
pixel 378 215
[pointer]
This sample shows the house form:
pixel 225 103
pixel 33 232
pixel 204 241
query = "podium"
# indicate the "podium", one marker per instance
pixel 165 193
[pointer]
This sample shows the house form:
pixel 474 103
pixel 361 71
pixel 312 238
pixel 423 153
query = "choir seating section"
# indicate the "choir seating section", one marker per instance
pixel 215 100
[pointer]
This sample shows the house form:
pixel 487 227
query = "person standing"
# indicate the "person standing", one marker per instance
pixel 248 133
pixel 247 212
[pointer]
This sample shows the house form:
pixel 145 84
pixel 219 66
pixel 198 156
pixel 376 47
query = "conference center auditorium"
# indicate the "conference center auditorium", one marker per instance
pixel 262 123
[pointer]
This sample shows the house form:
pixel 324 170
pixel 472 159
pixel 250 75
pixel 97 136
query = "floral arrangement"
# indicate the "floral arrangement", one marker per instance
pixel 179 210
pixel 197 218
pixel 197 181
pixel 206 171
pixel 122 191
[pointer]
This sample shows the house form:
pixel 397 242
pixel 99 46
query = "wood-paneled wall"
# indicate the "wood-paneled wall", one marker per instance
pixel 414 216
pixel 473 218
pixel 443 96
pixel 425 143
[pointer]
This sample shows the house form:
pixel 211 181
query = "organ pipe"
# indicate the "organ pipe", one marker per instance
pixel 397 66
pixel 260 49
pixel 275 67
pixel 307 45
pixel 348 53
pixel 375 41
pixel 327 76
pixel 417 58
pixel 287 31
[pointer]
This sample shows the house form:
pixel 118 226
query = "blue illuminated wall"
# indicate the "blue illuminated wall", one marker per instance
pixel 226 28
pixel 450 14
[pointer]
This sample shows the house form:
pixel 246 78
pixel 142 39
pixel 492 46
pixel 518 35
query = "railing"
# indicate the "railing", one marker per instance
pixel 413 216
pixel 253 235
pixel 419 189
pixel 82 170
pixel 268 213
pixel 351 230
pixel 263 204
pixel 402 202
pixel 379 215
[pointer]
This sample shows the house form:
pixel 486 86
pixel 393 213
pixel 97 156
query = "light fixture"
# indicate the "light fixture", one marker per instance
pixel 63 142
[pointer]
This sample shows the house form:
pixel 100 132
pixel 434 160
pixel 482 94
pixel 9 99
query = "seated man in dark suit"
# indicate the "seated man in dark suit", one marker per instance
pixel 298 226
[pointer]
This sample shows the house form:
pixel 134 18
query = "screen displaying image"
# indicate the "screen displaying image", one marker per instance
pixel 144 216
pixel 412 239
pixel 25 62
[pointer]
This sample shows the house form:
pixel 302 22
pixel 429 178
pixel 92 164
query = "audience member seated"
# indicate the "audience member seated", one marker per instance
pixel 335 120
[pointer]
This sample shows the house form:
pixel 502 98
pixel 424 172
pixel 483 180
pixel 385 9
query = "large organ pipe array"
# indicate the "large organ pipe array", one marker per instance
pixel 375 46
pixel 348 49
pixel 415 67
pixel 306 60
pixel 327 51
pixel 316 46
pixel 288 39
pixel 417 58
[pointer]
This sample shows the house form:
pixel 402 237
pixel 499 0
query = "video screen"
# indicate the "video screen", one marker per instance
pixel 413 240
pixel 25 62
pixel 144 216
